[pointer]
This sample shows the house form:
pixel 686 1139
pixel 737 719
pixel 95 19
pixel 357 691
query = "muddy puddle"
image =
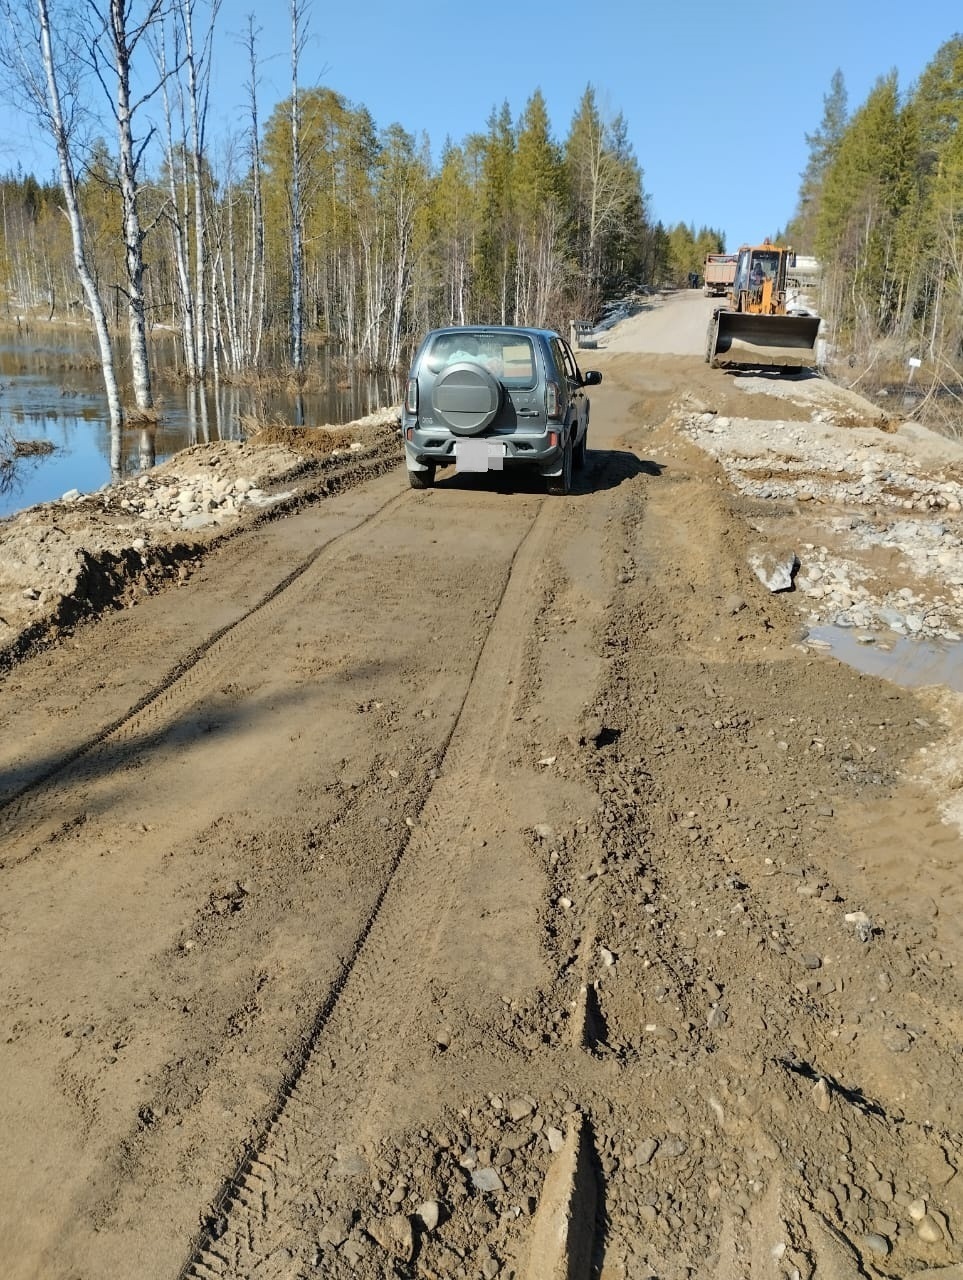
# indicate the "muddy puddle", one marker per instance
pixel 907 662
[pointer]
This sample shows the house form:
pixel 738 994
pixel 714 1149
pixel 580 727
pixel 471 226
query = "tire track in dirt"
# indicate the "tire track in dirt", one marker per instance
pixel 340 1084
pixel 729 1094
pixel 183 686
pixel 743 989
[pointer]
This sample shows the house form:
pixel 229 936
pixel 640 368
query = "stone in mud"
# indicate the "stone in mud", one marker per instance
pixel 822 1097
pixel 645 1151
pixel 928 1230
pixel 336 1230
pixel 348 1163
pixel 428 1215
pixel 486 1180
pixel 518 1108
pixel 775 572
pixel 897 1040
pixel 395 1235
pixel 876 1244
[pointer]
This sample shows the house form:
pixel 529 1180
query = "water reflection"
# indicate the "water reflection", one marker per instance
pixel 51 389
pixel 907 662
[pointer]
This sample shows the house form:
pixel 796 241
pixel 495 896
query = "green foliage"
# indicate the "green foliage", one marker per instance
pixel 938 101
pixel 823 148
pixel 607 200
pixel 688 249
pixel 510 225
pixel 539 175
pixel 882 198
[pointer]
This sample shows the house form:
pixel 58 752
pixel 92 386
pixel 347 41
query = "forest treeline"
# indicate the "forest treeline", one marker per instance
pixel 316 219
pixel 321 221
pixel 881 206
pixel 508 226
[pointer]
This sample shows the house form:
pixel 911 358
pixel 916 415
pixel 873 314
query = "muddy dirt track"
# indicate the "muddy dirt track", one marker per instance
pixel 428 864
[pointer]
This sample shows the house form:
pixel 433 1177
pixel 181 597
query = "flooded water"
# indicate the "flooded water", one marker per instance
pixel 51 390
pixel 907 662
pixel 939 406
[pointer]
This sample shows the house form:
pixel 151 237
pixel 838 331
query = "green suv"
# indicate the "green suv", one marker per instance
pixel 487 397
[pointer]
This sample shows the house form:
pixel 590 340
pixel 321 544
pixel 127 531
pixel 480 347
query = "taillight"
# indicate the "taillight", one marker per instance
pixel 411 396
pixel 553 400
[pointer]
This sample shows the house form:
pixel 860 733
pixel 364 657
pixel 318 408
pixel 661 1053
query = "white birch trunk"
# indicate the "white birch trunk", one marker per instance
pixel 297 251
pixel 257 282
pixel 179 238
pixel 68 182
pixel 133 236
pixel 197 114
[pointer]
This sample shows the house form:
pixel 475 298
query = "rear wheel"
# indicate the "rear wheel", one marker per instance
pixel 559 486
pixel 422 479
pixel 580 452
pixel 711 336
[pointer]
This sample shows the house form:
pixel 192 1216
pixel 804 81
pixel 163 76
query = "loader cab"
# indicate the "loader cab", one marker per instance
pixel 755 266
pixel 760 282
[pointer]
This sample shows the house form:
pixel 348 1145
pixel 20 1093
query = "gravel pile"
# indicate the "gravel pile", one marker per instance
pixel 875 498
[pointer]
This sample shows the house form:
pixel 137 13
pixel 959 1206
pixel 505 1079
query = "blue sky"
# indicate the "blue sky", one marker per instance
pixel 706 87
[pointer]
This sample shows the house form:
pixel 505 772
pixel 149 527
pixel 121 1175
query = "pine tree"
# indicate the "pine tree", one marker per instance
pixel 864 192
pixel 497 244
pixel 823 147
pixel 538 202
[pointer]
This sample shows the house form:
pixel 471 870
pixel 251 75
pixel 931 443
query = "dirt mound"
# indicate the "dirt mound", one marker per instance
pixel 66 560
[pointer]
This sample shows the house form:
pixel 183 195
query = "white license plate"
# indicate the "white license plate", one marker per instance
pixel 479 455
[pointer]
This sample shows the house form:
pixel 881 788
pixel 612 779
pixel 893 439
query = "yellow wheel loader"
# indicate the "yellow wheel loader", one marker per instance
pixel 754 331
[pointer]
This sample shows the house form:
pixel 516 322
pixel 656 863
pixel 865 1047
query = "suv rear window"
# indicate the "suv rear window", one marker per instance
pixel 510 357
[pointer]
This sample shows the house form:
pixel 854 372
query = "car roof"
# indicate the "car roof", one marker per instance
pixel 494 328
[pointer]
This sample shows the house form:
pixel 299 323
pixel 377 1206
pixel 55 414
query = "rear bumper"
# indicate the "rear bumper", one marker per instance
pixel 432 448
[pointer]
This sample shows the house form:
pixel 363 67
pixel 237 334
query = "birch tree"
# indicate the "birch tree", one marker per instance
pixel 178 213
pixel 605 194
pixel 45 79
pixel 111 42
pixel 453 224
pixel 185 87
pixel 298 37
pixel 402 178
pixel 197 67
pixel 256 280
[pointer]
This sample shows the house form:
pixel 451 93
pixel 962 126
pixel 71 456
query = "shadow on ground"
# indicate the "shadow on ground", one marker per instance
pixel 604 469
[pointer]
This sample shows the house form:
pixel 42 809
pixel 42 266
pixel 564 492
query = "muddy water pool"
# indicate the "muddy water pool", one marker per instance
pixel 908 662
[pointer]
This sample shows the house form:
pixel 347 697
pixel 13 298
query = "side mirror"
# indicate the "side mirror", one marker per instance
pixel 591 378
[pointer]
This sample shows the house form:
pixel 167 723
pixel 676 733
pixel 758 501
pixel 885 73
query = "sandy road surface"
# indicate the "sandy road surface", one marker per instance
pixel 466 824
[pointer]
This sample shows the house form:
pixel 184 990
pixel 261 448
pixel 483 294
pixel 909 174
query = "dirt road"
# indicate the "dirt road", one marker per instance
pixel 434 883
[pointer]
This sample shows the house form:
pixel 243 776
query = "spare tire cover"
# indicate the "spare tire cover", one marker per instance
pixel 466 397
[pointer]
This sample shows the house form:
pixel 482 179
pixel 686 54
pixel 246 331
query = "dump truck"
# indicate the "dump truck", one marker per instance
pixel 755 330
pixel 718 273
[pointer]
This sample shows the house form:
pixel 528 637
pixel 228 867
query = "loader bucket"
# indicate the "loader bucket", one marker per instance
pixel 741 341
